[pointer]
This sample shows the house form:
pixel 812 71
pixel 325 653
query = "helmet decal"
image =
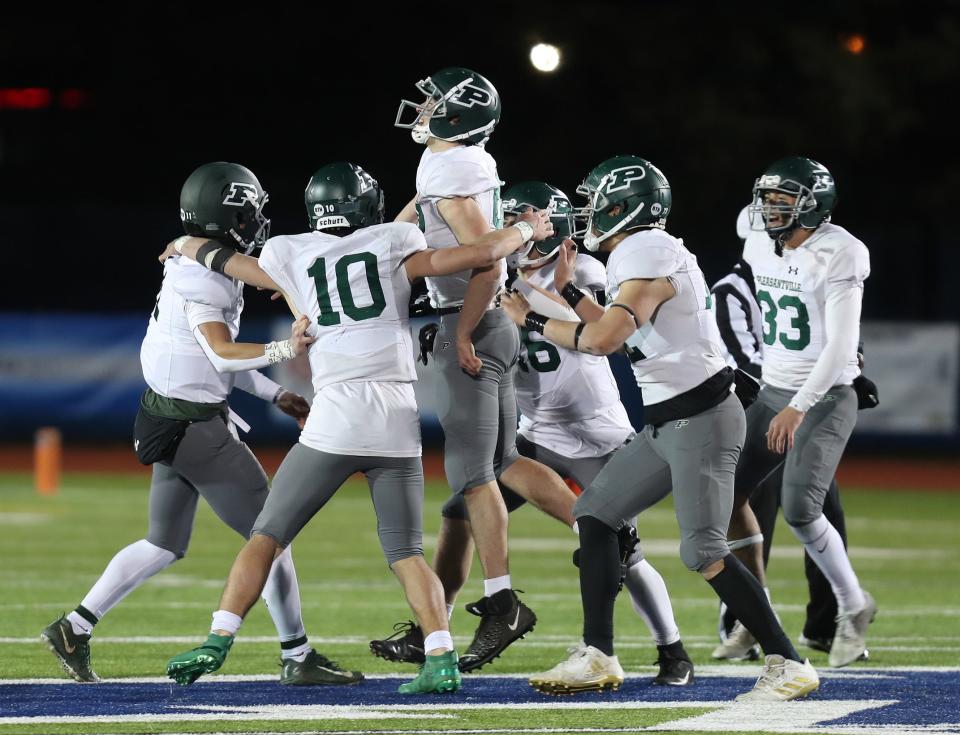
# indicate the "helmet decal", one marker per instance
pixel 470 95
pixel 621 178
pixel 240 193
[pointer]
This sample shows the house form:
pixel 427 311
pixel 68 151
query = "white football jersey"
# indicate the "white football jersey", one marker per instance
pixel 174 365
pixel 356 293
pixel 793 290
pixel 464 171
pixel 568 400
pixel 680 347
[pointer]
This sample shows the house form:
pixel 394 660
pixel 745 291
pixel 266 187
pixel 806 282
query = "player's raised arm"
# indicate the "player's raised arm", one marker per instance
pixel 483 255
pixel 634 307
pixel 408 213
pixel 222 259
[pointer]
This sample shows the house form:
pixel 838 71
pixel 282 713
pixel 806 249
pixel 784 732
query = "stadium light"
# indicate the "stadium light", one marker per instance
pixel 545 57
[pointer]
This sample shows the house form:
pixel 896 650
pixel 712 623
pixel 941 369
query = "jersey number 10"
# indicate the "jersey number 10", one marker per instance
pixel 329 317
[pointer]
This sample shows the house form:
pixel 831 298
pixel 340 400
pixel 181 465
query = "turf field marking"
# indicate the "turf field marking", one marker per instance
pixel 23 519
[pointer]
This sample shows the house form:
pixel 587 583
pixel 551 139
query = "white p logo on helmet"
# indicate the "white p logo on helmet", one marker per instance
pixel 469 95
pixel 621 178
pixel 240 193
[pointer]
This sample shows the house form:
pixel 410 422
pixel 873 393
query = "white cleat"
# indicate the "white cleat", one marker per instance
pixel 587 669
pixel 782 680
pixel 850 640
pixel 740 645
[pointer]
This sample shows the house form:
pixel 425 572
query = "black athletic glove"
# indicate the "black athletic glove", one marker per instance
pixel 421 306
pixel 428 334
pixel 867 395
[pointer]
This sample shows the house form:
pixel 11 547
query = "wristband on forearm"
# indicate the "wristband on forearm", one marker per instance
pixel 535 322
pixel 279 351
pixel 571 294
pixel 214 256
pixel 276 396
pixel 525 229
pixel 576 335
pixel 180 242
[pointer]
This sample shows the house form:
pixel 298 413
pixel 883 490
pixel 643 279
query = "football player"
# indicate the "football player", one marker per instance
pixel 351 275
pixel 740 320
pixel 476 348
pixel 571 420
pixel 185 429
pixel 660 306
pixel 809 275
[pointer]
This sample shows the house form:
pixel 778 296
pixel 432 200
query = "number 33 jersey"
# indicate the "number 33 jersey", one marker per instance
pixel 569 402
pixel 355 292
pixel 793 292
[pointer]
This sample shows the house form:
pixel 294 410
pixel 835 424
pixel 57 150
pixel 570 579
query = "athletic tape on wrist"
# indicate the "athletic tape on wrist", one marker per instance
pixel 279 351
pixel 525 229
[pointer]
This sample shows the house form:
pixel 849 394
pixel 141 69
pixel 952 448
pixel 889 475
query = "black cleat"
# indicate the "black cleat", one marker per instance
pixel 676 668
pixel 503 619
pixel 404 646
pixel 72 650
pixel 314 670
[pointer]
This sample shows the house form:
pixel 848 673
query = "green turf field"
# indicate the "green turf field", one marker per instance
pixel 904 546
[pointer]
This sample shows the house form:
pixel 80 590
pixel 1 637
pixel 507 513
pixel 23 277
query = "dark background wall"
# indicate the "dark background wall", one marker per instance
pixel 710 92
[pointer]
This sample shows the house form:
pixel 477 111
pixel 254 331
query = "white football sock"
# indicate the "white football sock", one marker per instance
pixel 492 586
pixel 648 593
pixel 825 547
pixel 128 569
pixel 297 653
pixel 438 639
pixel 281 593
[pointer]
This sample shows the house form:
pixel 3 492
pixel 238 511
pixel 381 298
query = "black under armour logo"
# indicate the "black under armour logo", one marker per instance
pixel 793 270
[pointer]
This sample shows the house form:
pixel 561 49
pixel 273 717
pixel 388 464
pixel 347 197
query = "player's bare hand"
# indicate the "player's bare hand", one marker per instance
pixel 566 262
pixel 467 357
pixel 294 405
pixel 168 252
pixel 782 429
pixel 539 220
pixel 299 337
pixel 516 306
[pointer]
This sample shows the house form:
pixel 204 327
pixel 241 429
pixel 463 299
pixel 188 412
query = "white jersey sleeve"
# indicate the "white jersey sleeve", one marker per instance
pixel 199 285
pixel 275 253
pixel 408 240
pixel 198 314
pixel 589 273
pixel 849 267
pixel 657 257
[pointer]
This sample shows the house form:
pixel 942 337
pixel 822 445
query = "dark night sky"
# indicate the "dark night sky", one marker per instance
pixel 708 92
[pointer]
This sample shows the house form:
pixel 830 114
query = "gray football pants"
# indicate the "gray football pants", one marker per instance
pixel 308 478
pixel 808 468
pixel 212 462
pixel 696 457
pixel 478 414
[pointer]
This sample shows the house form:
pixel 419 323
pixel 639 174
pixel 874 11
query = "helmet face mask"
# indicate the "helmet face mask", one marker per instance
pixel 343 195
pixel 224 202
pixel 792 193
pixel 459 105
pixel 536 196
pixel 623 192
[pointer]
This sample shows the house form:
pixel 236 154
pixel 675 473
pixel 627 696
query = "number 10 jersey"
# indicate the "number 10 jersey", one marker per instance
pixel 356 293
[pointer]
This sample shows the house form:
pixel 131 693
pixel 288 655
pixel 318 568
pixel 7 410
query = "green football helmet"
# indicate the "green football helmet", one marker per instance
pixel 809 182
pixel 630 184
pixel 343 195
pixel 224 201
pixel 460 105
pixel 539 195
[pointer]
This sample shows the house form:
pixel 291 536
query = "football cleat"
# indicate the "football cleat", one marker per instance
pixel 438 674
pixel 316 669
pixel 71 649
pixel 503 619
pixel 782 680
pixel 587 669
pixel 189 666
pixel 824 644
pixel 850 641
pixel 740 645
pixel 404 646
pixel 676 668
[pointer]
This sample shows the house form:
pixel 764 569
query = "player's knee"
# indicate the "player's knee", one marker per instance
pixel 179 550
pixel 395 555
pixel 455 508
pixel 699 554
pixel 799 509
